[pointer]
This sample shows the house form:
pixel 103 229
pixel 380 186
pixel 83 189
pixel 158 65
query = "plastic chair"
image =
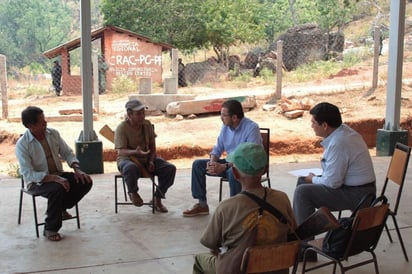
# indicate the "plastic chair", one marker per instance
pixel 268 258
pixel 265 132
pixel 36 222
pixel 367 228
pixel 396 173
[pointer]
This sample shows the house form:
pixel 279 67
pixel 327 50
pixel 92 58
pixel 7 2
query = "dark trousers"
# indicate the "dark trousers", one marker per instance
pixel 59 200
pixel 164 171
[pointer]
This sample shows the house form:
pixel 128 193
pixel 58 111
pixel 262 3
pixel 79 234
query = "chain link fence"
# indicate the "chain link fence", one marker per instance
pixel 138 68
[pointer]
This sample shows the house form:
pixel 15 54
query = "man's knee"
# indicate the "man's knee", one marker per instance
pixel 199 164
pixel 204 264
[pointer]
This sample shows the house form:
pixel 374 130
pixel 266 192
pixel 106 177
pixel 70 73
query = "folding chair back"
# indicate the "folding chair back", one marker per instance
pixel 265 133
pixel 366 229
pixel 273 257
pixel 396 174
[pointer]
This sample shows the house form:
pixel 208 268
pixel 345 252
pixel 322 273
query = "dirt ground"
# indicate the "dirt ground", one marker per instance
pixel 182 140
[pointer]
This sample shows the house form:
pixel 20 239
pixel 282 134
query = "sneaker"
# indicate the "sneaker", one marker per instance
pixel 196 210
pixel 136 199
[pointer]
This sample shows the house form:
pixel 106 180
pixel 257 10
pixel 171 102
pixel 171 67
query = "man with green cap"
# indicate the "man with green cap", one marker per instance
pixel 238 215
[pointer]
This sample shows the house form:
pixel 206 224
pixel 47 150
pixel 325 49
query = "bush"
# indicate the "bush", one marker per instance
pixel 123 85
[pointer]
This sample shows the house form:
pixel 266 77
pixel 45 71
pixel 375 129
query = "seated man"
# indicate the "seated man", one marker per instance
pixel 237 215
pixel 39 151
pixel 135 143
pixel 348 172
pixel 236 129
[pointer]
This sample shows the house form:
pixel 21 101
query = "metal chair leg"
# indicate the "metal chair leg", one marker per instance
pixel 220 191
pixel 400 238
pixel 115 194
pixel 36 222
pixel 77 216
pixel 20 207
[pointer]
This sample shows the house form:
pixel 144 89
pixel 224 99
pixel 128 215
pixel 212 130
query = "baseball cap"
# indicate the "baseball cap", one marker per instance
pixel 249 158
pixel 135 105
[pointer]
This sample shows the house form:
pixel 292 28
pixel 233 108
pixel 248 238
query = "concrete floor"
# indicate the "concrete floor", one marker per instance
pixel 136 241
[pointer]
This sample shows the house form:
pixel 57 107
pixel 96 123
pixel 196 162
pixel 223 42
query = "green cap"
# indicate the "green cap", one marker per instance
pixel 249 158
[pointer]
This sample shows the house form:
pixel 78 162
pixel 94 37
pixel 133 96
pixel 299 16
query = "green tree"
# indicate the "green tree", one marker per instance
pixel 29 27
pixel 190 24
pixel 172 21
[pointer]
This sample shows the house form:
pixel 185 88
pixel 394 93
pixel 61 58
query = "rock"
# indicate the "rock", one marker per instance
pixel 179 117
pixel 294 114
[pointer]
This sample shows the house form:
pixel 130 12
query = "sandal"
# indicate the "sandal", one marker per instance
pixel 52 235
pixel 66 215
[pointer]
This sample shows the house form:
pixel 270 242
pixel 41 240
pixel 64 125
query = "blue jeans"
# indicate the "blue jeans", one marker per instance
pixel 199 179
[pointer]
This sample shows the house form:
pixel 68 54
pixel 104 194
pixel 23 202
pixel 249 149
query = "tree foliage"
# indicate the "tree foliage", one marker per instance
pixel 29 27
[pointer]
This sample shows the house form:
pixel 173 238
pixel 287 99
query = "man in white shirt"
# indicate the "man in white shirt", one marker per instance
pixel 39 152
pixel 348 172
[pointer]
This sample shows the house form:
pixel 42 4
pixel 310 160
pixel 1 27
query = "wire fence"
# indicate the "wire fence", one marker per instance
pixel 125 66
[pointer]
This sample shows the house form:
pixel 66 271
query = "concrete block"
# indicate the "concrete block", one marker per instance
pixel 386 140
pixel 207 105
pixel 170 85
pixel 145 85
pixel 160 101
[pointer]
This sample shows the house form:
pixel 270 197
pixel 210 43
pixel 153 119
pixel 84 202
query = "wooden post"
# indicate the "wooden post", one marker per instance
pixel 3 86
pixel 279 70
pixel 376 37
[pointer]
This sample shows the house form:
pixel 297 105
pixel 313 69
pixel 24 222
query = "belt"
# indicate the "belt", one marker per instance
pixel 368 184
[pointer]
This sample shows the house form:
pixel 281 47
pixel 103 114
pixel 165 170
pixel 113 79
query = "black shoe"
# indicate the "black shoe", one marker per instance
pixel 311 256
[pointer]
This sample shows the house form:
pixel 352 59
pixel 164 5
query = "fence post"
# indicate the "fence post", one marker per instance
pixel 279 70
pixel 376 37
pixel 3 86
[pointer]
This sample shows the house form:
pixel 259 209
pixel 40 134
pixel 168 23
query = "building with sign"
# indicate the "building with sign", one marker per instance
pixel 124 52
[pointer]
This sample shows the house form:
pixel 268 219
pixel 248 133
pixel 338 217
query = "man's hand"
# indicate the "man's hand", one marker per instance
pixel 63 181
pixel 215 168
pixel 308 179
pixel 139 151
pixel 82 177
pixel 151 166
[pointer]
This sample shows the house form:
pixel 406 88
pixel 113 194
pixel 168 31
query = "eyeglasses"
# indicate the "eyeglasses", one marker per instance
pixel 225 115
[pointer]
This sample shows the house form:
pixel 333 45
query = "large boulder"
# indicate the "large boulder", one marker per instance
pixel 203 72
pixel 301 44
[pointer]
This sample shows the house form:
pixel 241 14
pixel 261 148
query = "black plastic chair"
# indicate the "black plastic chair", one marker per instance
pixel 36 222
pixel 265 132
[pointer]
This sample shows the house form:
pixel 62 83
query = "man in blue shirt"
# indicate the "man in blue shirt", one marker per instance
pixel 236 129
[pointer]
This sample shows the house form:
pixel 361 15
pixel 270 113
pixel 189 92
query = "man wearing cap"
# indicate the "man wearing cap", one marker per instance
pixel 236 216
pixel 236 129
pixel 135 143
